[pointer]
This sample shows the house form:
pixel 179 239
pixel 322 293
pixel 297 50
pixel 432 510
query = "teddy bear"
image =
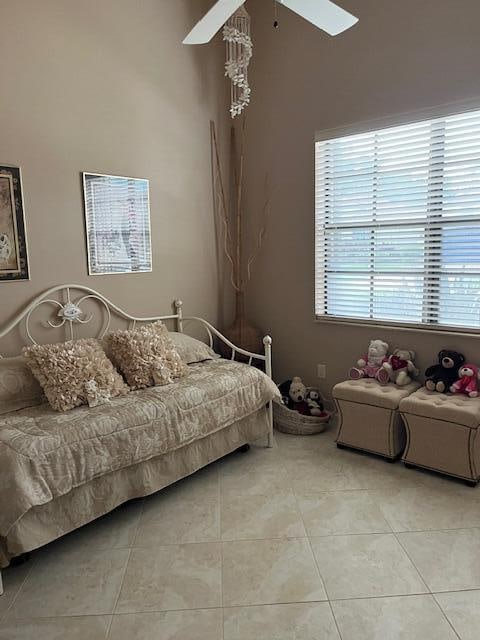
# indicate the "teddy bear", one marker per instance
pixel 468 383
pixel 400 367
pixel 370 365
pixel 294 394
pixel 441 376
pixel 315 404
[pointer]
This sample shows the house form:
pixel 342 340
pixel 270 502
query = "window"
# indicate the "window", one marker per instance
pixel 398 224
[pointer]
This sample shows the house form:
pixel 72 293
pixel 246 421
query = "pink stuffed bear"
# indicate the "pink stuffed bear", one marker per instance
pixel 469 376
pixel 370 365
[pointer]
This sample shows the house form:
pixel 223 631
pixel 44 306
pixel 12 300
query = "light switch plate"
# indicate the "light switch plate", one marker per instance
pixel 321 371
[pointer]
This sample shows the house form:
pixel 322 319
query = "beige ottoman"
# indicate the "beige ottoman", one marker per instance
pixel 369 419
pixel 442 433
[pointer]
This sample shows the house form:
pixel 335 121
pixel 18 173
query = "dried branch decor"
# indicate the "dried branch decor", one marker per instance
pixel 229 208
pixel 232 221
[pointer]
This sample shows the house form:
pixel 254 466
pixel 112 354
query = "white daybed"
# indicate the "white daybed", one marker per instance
pixel 59 471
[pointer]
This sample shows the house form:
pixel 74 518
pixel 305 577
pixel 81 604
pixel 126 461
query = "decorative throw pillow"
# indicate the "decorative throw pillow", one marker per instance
pixel 74 373
pixel 18 387
pixel 146 356
pixel 190 349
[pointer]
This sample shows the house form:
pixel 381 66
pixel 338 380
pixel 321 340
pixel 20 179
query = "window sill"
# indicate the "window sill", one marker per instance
pixel 399 326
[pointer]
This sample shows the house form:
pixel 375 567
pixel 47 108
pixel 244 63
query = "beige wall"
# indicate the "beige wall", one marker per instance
pixel 402 56
pixel 106 86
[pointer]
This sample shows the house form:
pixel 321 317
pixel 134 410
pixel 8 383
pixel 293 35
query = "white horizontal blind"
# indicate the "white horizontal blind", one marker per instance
pixel 398 224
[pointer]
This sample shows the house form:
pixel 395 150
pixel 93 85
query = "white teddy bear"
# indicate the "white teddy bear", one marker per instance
pixel 371 364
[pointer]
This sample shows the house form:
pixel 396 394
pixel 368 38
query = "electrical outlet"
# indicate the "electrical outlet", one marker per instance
pixel 321 371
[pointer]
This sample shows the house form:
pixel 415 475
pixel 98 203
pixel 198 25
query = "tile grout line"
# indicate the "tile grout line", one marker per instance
pixel 431 594
pixel 383 597
pixel 445 616
pixel 321 535
pixel 318 568
pixel 219 502
pixel 425 582
pixel 395 534
pixel 300 514
pixel 316 562
pixel 107 635
pixel 14 599
pixel 235 606
pixel 67 617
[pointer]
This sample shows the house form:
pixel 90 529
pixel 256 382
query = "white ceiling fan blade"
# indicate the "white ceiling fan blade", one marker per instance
pixel 212 21
pixel 323 14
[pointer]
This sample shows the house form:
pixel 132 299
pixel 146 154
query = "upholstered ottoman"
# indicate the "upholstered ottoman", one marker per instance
pixel 368 416
pixel 442 433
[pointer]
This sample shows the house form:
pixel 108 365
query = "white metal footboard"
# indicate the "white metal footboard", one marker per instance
pixel 264 357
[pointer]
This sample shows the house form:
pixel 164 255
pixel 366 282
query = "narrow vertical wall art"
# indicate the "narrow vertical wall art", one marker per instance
pixel 117 218
pixel 13 240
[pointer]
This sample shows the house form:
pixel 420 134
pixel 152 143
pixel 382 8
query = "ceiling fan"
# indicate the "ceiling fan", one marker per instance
pixel 324 14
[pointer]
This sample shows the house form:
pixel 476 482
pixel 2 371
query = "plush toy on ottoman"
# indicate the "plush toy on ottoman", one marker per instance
pixel 468 382
pixel 400 367
pixel 371 365
pixel 441 376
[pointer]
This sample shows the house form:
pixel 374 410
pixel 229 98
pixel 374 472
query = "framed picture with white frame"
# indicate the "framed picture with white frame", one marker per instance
pixel 117 219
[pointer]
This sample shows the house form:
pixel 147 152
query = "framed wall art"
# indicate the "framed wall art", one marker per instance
pixel 117 218
pixel 13 241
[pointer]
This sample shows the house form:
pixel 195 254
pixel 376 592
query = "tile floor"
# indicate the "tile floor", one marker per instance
pixel 299 542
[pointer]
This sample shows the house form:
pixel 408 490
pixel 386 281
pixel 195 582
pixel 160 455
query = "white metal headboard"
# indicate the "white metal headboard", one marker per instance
pixel 70 313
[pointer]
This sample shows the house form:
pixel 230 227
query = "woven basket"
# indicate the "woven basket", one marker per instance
pixel 290 421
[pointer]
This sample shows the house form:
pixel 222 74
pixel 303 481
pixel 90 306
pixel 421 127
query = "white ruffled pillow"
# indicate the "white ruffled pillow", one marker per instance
pixel 74 373
pixel 146 356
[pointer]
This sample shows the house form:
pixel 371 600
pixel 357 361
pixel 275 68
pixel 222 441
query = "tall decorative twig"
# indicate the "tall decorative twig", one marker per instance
pixel 233 238
pixel 262 231
pixel 223 209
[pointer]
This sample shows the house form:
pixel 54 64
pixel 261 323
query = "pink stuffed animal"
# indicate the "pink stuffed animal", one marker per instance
pixel 469 376
pixel 370 366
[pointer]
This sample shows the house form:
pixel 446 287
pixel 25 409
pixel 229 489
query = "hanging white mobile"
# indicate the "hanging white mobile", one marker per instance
pixel 236 34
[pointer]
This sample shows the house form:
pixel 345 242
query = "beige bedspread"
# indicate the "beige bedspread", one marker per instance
pixel 44 454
